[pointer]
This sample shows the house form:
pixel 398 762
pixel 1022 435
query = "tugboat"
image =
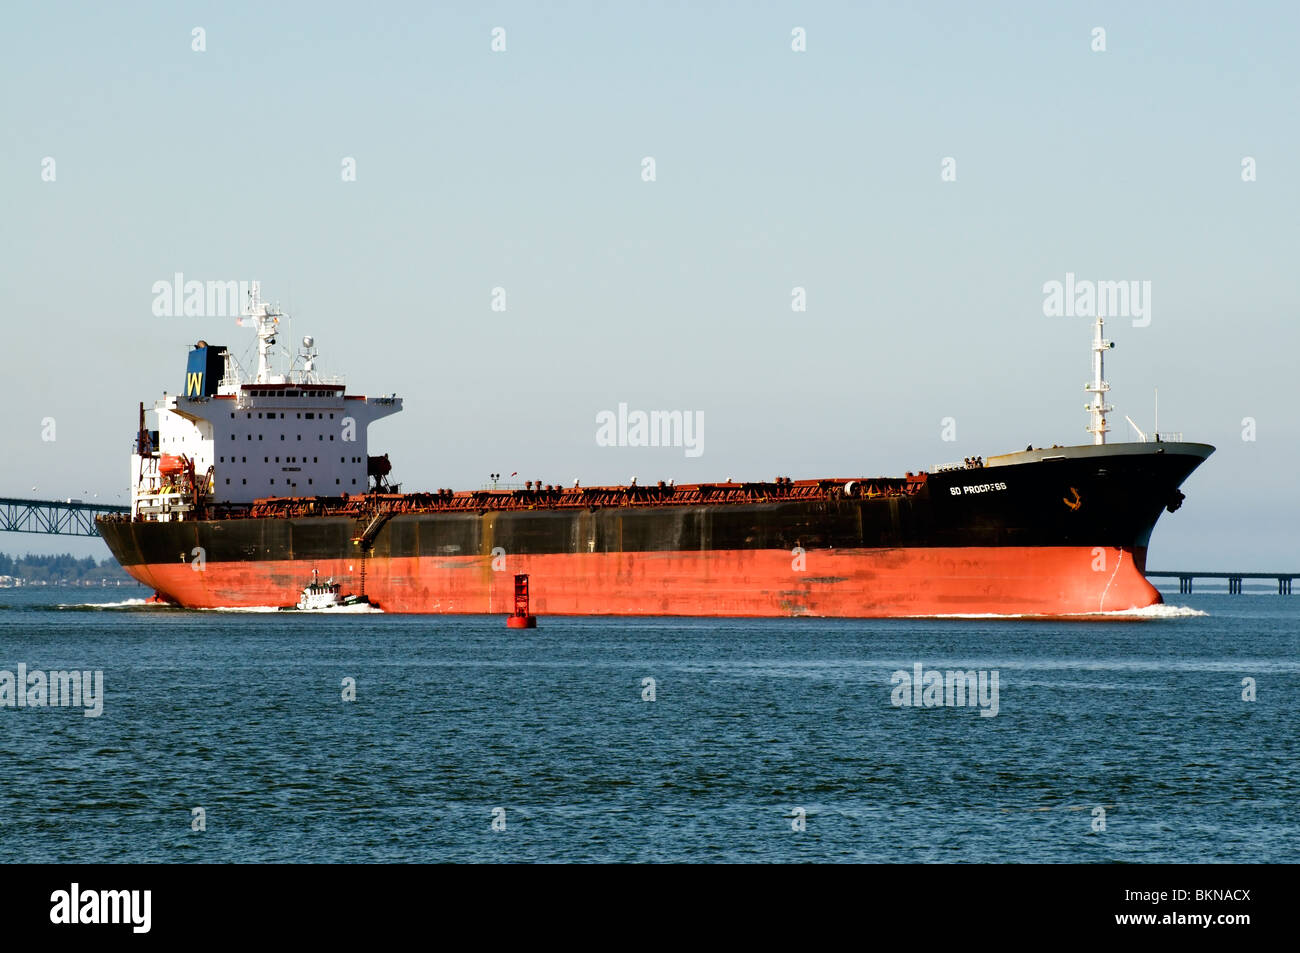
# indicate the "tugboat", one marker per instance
pixel 326 596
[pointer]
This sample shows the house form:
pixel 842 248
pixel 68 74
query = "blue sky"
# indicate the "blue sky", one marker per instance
pixel 775 169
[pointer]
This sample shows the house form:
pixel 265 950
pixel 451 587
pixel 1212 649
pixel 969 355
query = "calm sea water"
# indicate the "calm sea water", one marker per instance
pixel 756 728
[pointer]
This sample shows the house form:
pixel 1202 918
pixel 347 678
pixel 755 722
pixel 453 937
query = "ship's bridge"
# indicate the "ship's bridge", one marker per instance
pixel 229 439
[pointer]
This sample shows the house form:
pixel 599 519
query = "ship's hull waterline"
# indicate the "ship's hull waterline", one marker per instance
pixel 1050 532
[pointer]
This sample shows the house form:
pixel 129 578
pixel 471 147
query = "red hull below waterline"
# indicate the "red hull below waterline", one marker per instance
pixel 845 583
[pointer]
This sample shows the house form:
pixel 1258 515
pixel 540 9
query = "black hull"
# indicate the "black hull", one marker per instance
pixel 1104 496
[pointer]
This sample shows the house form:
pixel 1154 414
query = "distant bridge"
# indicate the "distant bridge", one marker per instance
pixel 53 517
pixel 1234 579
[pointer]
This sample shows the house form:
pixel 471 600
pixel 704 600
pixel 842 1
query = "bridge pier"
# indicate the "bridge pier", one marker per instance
pixel 1236 580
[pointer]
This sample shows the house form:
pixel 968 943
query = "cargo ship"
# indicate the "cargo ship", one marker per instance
pixel 253 481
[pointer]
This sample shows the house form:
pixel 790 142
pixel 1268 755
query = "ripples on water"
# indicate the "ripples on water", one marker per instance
pixel 241 714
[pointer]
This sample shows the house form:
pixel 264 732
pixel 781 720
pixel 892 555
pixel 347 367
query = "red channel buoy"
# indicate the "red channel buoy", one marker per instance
pixel 521 619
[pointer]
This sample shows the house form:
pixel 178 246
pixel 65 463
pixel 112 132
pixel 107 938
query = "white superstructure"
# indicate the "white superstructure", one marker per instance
pixel 290 433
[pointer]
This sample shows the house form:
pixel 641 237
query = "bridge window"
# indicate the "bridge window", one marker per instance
pixel 273 481
pixel 259 436
pixel 309 481
pixel 281 436
pixel 244 481
pixel 336 481
pixel 244 459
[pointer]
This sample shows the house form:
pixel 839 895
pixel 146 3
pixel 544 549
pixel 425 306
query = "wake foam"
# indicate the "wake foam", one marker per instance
pixel 123 604
pixel 169 607
pixel 237 609
pixel 343 610
pixel 1145 612
pixel 1161 611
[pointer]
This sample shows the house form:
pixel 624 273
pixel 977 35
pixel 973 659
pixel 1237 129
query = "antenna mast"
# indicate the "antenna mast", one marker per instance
pixel 1098 387
pixel 265 318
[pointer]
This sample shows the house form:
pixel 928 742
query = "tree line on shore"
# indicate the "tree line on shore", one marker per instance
pixel 62 568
